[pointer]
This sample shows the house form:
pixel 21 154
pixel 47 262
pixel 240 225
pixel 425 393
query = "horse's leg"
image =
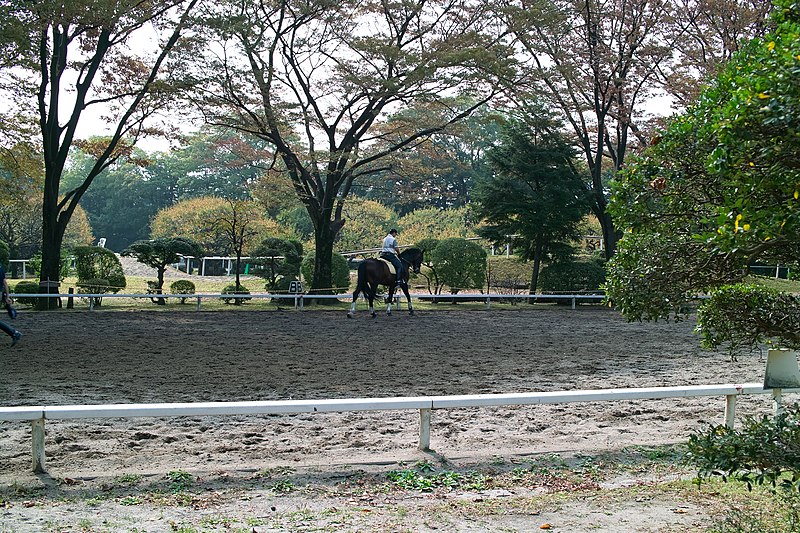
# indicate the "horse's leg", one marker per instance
pixel 404 286
pixel 392 288
pixel 370 293
pixel 353 305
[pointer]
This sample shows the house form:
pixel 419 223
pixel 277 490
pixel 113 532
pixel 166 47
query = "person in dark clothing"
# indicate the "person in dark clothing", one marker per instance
pixel 15 334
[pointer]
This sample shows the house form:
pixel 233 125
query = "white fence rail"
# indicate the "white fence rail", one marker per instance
pixel 425 404
pixel 299 298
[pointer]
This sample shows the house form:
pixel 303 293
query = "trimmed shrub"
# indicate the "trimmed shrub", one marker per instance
pixel 231 289
pixel 26 287
pixel 182 286
pixel 95 263
pixel 459 263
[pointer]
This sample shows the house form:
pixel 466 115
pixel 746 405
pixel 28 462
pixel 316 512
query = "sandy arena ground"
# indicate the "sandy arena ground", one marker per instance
pixel 82 357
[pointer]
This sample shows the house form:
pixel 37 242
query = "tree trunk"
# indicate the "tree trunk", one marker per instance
pixel 323 262
pixel 610 235
pixel 537 261
pixel 160 284
pixel 238 301
pixel 52 237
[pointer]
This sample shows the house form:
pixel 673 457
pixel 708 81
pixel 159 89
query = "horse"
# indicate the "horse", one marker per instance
pixel 373 272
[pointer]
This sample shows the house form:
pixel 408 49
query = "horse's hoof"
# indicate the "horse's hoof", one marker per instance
pixel 411 312
pixel 374 316
pixel 388 314
pixel 349 315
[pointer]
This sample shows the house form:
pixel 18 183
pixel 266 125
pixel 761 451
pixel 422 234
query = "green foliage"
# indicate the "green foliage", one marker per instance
pixel 93 262
pixel 427 246
pixel 26 287
pixel 655 276
pixel 233 289
pixel 366 224
pixel 340 271
pixel 5 254
pixel 744 316
pixel 718 191
pixel 460 264
pixel 65 266
pixel 765 451
pixel 535 191
pixel 95 286
pixel 573 276
pixel 277 260
pixel 508 274
pixel 157 253
pixel 297 219
pixel 435 223
pixel 160 253
pixel 182 286
pixel 425 478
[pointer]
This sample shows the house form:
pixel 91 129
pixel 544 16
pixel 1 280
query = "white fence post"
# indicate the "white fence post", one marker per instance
pixel 777 402
pixel 425 430
pixel 730 410
pixel 37 432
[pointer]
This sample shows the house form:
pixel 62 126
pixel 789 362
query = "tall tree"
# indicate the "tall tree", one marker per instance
pixel 80 57
pixel 536 193
pixel 439 171
pixel 596 61
pixel 316 79
pixel 707 34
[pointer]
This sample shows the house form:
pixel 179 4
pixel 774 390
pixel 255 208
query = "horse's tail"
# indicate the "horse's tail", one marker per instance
pixel 361 281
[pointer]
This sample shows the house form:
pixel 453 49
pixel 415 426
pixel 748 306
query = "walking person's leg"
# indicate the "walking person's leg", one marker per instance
pixel 11 332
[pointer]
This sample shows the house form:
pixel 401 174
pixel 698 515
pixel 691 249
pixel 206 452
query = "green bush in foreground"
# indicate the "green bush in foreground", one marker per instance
pixel 765 451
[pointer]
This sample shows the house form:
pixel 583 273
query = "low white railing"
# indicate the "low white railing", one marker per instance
pixel 299 298
pixel 425 404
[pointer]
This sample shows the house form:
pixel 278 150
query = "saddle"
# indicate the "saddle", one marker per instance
pixel 392 271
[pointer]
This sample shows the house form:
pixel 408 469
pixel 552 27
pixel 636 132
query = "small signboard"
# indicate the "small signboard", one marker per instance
pixel 295 287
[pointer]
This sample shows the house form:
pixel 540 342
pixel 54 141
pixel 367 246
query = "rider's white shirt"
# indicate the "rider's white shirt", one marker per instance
pixel 389 244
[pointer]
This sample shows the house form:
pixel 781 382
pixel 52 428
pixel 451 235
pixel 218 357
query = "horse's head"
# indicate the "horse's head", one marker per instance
pixel 413 256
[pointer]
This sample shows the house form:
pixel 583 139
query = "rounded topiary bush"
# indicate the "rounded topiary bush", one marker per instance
pixel 231 289
pixel 26 287
pixel 572 276
pixel 182 286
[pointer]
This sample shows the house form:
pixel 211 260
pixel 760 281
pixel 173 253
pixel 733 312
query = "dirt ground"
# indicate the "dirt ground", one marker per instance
pixel 82 357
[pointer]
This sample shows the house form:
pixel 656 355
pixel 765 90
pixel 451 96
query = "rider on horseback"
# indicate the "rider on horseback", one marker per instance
pixel 390 252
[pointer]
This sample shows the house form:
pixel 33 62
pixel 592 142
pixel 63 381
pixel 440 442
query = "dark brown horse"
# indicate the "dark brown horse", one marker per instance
pixel 374 272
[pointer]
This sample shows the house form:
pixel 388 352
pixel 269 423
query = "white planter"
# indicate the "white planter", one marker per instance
pixel 782 371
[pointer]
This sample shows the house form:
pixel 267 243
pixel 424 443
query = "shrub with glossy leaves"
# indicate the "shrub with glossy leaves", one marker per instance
pixel 744 316
pixel 765 450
